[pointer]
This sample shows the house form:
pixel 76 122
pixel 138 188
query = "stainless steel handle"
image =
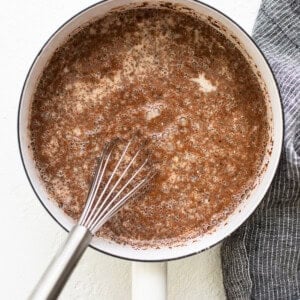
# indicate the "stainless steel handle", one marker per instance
pixel 62 265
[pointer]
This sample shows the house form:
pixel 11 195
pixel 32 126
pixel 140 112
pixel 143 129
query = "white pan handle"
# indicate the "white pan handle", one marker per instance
pixel 149 281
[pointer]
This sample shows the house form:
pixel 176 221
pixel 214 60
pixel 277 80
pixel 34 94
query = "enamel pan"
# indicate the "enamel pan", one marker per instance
pixel 275 117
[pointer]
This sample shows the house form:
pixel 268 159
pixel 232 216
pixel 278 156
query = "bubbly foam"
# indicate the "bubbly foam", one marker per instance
pixel 178 82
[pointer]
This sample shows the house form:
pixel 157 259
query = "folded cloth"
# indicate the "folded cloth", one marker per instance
pixel 261 260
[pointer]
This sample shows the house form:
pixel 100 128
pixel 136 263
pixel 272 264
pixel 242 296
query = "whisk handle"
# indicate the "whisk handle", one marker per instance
pixel 62 265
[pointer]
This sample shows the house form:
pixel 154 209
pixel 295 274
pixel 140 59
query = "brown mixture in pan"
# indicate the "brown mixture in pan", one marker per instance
pixel 179 82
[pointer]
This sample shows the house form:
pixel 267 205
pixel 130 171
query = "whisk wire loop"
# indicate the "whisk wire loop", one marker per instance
pixel 96 182
pixel 108 212
pixel 100 208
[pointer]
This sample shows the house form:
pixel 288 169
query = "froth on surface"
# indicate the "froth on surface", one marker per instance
pixel 181 84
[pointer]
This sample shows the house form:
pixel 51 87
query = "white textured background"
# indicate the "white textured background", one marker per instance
pixel 29 236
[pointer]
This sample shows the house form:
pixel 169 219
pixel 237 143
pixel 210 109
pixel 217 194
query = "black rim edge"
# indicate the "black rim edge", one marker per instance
pixel 28 177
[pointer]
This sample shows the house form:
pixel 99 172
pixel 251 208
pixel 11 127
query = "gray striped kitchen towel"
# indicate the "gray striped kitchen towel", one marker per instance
pixel 261 260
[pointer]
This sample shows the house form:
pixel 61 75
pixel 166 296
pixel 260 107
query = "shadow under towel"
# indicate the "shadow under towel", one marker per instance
pixel 261 260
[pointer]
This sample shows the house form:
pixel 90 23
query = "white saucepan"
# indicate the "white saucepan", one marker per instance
pixel 242 212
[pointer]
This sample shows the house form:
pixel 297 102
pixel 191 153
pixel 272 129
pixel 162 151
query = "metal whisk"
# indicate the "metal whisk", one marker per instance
pixel 118 177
